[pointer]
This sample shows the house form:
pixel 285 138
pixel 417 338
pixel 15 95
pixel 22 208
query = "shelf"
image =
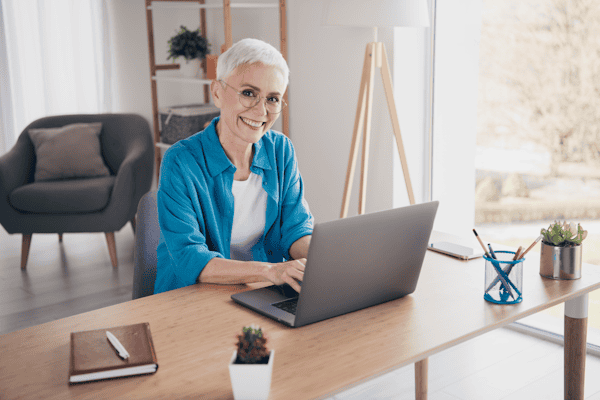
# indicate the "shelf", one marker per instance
pixel 171 69
pixel 182 79
pixel 159 5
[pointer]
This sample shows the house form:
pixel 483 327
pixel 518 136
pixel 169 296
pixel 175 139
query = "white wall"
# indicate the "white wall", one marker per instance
pixel 131 72
pixel 412 71
pixel 455 113
pixel 325 63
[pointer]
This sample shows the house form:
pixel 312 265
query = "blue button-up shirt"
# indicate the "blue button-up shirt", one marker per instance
pixel 195 205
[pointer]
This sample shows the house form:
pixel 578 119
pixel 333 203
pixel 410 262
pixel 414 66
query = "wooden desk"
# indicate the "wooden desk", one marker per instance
pixel 194 332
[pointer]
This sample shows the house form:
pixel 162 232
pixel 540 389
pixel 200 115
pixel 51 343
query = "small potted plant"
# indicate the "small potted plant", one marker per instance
pixel 190 45
pixel 561 250
pixel 251 365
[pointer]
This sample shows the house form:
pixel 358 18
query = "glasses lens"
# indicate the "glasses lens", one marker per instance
pixel 273 107
pixel 248 101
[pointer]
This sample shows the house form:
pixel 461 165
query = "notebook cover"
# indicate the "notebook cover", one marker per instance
pixel 92 352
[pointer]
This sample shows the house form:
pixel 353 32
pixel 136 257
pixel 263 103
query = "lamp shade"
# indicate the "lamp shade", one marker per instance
pixel 377 13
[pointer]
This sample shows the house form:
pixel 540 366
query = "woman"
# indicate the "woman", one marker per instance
pixel 231 205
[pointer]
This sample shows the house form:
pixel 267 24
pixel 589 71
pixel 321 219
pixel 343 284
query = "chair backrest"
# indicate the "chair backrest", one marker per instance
pixel 120 133
pixel 147 235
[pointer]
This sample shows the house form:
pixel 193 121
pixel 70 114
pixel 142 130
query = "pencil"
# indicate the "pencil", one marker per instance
pixel 532 244
pixel 516 257
pixel 492 252
pixel 481 243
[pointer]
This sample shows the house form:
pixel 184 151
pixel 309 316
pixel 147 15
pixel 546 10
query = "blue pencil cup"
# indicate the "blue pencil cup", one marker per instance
pixel 503 278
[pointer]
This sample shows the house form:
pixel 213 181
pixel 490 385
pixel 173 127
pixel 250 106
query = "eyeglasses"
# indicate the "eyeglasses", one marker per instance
pixel 249 98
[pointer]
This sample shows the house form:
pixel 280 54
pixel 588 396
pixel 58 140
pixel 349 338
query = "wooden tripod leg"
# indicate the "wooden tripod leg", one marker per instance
pixel 389 94
pixel 362 198
pixel 358 126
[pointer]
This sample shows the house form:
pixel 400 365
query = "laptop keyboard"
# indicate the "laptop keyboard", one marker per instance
pixel 288 305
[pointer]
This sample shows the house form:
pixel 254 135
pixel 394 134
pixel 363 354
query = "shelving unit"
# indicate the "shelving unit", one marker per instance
pixel 156 5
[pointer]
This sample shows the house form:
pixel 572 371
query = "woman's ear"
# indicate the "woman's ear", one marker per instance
pixel 216 89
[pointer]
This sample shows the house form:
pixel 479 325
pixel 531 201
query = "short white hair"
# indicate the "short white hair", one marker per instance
pixel 250 51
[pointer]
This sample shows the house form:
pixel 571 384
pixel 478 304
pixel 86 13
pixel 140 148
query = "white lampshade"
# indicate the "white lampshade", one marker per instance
pixel 378 13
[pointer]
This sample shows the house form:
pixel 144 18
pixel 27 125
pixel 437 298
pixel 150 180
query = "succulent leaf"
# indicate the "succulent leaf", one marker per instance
pixel 251 346
pixel 563 234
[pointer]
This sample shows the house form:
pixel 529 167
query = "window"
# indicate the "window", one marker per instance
pixel 515 125
pixel 57 60
pixel 537 152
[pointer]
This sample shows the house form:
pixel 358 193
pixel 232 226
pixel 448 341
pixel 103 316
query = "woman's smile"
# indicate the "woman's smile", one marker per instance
pixel 251 123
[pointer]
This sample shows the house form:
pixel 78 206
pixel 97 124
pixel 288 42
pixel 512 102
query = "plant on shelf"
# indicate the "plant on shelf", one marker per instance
pixel 251 347
pixel 563 234
pixel 188 44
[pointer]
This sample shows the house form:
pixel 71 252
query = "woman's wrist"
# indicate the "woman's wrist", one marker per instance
pixel 266 270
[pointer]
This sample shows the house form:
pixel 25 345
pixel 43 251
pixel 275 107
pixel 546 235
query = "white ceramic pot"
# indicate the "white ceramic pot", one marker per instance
pixel 190 68
pixel 251 381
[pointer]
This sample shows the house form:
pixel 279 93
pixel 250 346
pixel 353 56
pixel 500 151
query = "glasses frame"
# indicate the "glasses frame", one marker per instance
pixel 259 97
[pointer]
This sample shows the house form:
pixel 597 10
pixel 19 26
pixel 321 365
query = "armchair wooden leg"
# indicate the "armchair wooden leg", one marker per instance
pixel 112 248
pixel 25 250
pixel 60 235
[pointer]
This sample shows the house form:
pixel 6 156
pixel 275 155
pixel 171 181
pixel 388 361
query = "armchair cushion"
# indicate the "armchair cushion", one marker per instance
pixel 71 151
pixel 67 196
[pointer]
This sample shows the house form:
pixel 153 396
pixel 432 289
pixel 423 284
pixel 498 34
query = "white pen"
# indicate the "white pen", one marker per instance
pixel 117 345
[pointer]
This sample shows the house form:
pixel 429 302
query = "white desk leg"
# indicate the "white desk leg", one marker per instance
pixel 421 368
pixel 576 313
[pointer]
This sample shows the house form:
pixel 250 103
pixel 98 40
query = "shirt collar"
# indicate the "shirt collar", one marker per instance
pixel 261 159
pixel 217 160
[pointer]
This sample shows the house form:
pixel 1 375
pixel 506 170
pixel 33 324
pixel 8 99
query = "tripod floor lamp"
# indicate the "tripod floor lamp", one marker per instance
pixel 374 14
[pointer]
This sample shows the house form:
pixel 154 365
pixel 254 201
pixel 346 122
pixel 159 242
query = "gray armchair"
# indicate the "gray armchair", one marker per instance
pixel 99 204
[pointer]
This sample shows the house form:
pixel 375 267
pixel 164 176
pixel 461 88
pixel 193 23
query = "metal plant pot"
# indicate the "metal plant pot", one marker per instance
pixel 560 262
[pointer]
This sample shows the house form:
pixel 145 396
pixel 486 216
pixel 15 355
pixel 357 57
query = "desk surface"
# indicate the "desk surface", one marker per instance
pixel 194 331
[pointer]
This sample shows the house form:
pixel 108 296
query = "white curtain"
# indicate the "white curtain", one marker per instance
pixel 55 59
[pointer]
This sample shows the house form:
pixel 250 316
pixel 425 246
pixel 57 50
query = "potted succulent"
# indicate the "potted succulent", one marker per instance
pixel 561 250
pixel 190 45
pixel 251 365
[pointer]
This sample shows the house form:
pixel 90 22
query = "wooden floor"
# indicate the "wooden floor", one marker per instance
pixel 76 276
pixel 61 279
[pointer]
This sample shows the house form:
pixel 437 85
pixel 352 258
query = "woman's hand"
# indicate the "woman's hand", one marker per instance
pixel 289 272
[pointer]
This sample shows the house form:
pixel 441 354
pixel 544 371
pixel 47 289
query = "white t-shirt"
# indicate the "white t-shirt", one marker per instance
pixel 249 217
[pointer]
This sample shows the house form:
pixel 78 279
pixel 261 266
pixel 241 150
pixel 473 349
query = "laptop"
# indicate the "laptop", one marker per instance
pixel 352 263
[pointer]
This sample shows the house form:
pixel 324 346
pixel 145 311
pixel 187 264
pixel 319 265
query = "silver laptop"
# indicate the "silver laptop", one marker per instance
pixel 352 263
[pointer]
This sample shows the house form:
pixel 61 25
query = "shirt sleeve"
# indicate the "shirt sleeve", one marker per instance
pixel 296 218
pixel 182 222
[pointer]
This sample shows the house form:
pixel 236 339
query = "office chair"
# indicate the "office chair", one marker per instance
pixel 146 241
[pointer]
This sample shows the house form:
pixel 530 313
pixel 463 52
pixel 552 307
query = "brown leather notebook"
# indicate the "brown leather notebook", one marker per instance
pixel 94 358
